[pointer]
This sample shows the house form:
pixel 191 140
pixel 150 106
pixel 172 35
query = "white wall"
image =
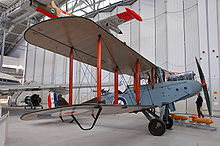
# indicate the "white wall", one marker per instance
pixel 160 38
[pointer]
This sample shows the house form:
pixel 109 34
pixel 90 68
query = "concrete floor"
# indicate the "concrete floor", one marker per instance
pixel 118 130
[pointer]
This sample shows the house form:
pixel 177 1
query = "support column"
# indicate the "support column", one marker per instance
pixel 99 67
pixel 3 50
pixel 71 78
pixel 116 86
pixel 137 81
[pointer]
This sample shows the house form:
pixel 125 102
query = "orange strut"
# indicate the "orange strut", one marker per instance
pixel 116 86
pixel 156 76
pixel 164 77
pixel 137 81
pixel 99 68
pixel 71 77
pixel 152 78
pixel 134 83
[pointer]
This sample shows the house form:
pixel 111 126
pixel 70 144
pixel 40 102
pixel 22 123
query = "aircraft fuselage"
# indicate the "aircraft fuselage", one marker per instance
pixel 162 93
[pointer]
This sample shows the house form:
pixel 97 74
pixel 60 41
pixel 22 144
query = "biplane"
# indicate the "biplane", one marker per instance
pixel 84 40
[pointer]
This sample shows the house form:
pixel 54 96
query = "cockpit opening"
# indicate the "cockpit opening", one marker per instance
pixel 190 75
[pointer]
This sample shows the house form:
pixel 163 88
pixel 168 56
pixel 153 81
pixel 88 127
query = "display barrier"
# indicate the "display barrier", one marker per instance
pixel 3 129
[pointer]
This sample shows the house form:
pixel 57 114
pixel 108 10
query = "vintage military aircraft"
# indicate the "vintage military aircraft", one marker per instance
pixel 84 40
pixel 50 9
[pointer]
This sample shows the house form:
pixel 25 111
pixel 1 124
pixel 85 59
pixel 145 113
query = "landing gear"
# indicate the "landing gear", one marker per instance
pixel 168 122
pixel 157 127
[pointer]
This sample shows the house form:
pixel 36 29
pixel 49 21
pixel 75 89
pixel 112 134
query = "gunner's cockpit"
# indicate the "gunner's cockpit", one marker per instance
pixel 190 75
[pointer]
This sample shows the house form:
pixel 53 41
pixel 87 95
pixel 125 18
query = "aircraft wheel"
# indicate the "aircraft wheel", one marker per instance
pixel 169 123
pixel 157 127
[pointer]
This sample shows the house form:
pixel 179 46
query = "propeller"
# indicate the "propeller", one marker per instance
pixel 204 86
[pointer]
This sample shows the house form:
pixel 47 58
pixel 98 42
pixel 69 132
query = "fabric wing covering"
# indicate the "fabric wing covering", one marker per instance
pixel 82 110
pixel 59 35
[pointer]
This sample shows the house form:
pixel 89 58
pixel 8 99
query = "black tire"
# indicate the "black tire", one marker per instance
pixel 169 123
pixel 157 127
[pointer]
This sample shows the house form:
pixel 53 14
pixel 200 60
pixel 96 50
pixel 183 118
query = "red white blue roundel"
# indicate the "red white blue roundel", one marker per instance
pixel 121 101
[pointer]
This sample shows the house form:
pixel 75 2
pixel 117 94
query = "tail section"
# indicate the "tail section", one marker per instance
pixel 112 22
pixel 129 15
pixel 55 100
pixel 51 10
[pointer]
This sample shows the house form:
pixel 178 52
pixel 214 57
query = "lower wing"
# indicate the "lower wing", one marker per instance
pixel 83 110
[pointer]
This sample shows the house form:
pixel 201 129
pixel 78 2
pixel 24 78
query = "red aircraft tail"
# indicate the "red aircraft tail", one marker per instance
pixel 51 10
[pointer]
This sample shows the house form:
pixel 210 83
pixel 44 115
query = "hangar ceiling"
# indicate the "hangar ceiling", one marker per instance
pixel 15 15
pixel 6 2
pixel 14 20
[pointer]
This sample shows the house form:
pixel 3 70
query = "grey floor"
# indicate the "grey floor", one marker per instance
pixel 115 130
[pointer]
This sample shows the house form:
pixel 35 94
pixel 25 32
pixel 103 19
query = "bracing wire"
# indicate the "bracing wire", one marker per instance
pixel 120 72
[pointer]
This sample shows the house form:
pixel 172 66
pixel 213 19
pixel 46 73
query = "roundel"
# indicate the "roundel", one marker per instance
pixel 121 20
pixel 52 10
pixel 121 101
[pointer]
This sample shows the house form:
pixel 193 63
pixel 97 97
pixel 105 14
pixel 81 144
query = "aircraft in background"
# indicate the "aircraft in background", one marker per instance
pixel 10 86
pixel 6 79
pixel 93 45
pixel 50 9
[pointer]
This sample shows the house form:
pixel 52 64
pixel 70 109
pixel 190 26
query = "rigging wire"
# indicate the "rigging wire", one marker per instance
pixel 119 71
pixel 90 73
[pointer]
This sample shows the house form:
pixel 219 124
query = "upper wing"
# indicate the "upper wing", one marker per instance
pixel 59 35
pixel 112 23
pixel 83 110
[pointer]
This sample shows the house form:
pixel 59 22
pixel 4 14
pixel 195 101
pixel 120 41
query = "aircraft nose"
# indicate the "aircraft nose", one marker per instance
pixel 195 87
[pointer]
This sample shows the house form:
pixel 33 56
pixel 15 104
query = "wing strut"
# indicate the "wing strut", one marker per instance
pixel 99 67
pixel 152 78
pixel 137 88
pixel 116 86
pixel 164 76
pixel 134 82
pixel 93 124
pixel 71 77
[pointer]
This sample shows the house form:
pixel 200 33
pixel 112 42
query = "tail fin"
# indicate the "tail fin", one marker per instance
pixel 51 10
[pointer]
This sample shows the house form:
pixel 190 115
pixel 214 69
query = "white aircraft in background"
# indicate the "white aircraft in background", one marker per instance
pixel 11 86
pixel 6 79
